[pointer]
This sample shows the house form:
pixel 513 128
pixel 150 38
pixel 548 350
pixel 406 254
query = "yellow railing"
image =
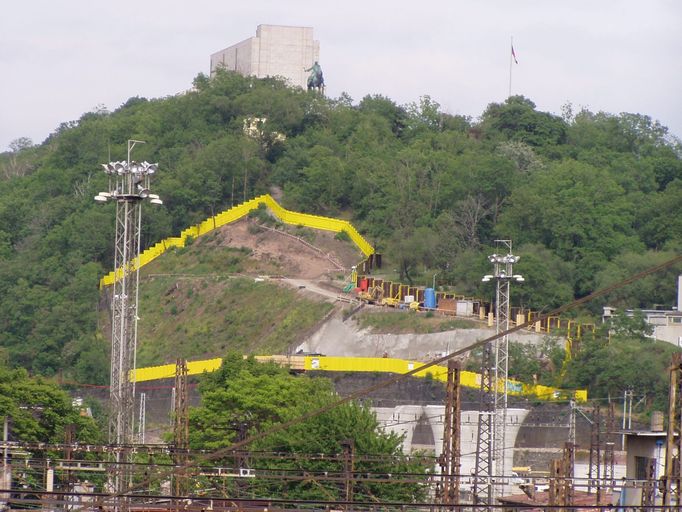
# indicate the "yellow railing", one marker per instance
pixel 366 364
pixel 233 214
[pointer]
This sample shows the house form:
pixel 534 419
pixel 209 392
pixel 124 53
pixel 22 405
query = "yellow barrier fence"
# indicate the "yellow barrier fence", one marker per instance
pixel 235 213
pixel 367 364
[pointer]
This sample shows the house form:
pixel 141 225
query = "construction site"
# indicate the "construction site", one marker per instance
pixel 491 442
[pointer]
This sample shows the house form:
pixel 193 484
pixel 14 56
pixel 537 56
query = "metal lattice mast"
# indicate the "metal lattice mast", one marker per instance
pixel 594 473
pixel 494 401
pixel 181 428
pixel 483 470
pixel 673 447
pixel 128 186
pixel 124 314
pixel 451 455
pixel 501 372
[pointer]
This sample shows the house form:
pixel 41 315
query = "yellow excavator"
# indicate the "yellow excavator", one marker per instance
pixel 374 295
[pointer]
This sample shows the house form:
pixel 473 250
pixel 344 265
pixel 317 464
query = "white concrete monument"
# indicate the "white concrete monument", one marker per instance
pixel 275 51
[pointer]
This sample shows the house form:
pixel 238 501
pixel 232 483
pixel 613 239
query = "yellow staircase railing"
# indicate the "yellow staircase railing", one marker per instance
pixel 233 214
pixel 365 364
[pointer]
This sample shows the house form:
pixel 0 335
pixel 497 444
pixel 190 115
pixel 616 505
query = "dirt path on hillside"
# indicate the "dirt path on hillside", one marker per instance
pixel 312 261
pixel 298 253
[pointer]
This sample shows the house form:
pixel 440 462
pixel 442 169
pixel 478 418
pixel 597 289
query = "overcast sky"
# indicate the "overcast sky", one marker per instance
pixel 59 59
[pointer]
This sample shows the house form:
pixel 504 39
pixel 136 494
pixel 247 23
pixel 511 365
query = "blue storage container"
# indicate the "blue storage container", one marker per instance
pixel 430 298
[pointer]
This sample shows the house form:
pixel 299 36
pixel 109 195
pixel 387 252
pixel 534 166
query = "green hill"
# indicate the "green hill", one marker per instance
pixel 587 198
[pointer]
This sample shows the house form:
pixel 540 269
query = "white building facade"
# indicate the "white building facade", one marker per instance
pixel 666 323
pixel 276 50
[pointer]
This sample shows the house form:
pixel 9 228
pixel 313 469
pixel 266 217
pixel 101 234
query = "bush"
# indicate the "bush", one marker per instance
pixel 261 215
pixel 342 236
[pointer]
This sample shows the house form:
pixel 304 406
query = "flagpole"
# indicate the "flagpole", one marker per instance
pixel 511 49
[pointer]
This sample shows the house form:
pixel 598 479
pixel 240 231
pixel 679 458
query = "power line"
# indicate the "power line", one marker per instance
pixel 234 448
pixel 399 378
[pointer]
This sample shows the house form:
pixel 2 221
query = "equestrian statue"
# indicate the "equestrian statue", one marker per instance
pixel 315 80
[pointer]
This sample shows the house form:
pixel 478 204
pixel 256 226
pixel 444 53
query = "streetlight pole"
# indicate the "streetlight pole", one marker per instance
pixel 129 184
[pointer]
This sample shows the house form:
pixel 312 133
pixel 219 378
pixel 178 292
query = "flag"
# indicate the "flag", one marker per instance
pixel 514 55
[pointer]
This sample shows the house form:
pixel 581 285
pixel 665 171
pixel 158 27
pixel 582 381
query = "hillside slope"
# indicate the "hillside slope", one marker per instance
pixel 228 291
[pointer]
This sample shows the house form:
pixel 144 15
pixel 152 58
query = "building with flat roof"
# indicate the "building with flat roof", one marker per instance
pixel 276 50
pixel 666 323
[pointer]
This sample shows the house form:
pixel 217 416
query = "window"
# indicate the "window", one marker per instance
pixel 641 464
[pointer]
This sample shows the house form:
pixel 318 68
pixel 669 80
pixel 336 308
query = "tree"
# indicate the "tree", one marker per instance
pixel 549 281
pixel 655 290
pixel 521 154
pixel 630 327
pixel 655 225
pixel 248 396
pixel 424 115
pixel 608 369
pixel 516 119
pixel 576 210
pixel 39 411
pixel 536 363
pixel 16 166
pixel 395 115
pixel 468 215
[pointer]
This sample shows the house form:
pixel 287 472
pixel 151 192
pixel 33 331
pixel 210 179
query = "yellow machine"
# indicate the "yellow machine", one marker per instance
pixel 375 294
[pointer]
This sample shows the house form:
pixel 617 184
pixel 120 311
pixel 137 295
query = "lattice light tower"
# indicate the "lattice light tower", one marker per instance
pixel 495 370
pixel 128 186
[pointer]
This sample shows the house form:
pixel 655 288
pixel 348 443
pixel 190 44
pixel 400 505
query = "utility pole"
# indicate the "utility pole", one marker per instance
pixel 348 468
pixel 69 440
pixel 451 455
pixel 571 422
pixel 593 474
pixel 609 447
pixel 673 445
pixel 129 184
pixel 6 477
pixel 568 470
pixel 627 414
pixel 561 478
pixel 181 428
pixel 49 485
pixel 555 482
pixel 142 421
pixel 241 460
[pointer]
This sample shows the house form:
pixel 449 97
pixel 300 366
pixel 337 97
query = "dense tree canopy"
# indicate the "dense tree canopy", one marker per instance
pixel 583 196
pixel 608 368
pixel 38 411
pixel 244 397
